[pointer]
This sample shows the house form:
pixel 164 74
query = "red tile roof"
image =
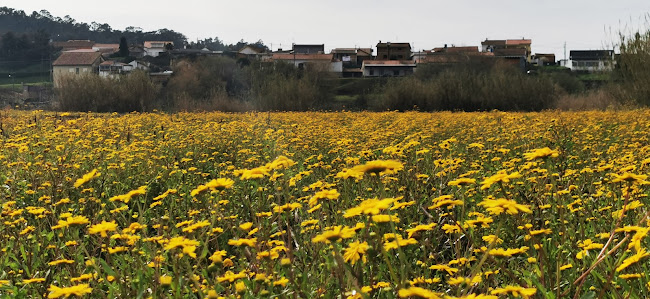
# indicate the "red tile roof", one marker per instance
pixel 77 58
pixel 518 42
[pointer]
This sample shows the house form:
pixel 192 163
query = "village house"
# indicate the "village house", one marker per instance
pixel 154 48
pixel 388 68
pixel 107 49
pixel 451 55
pixel 111 68
pixel 251 52
pixel 393 51
pixel 76 63
pixel 308 49
pixel 497 45
pixel 136 51
pixel 305 61
pixel 74 45
pixel 543 59
pixel 591 60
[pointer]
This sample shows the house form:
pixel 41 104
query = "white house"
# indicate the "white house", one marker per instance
pixel 591 60
pixel 154 48
pixel 388 68
pixel 310 60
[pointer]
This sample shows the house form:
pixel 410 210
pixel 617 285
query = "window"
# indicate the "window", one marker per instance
pixel 372 72
pixel 396 73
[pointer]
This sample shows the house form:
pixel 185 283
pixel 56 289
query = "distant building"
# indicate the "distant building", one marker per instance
pixel 495 45
pixel 309 49
pixel 74 45
pixel 544 59
pixel 451 55
pixel 305 61
pixel 106 48
pixel 393 51
pixel 75 63
pixel 388 68
pixel 136 51
pixel 112 68
pixel 352 57
pixel 154 48
pixel 251 52
pixel 591 60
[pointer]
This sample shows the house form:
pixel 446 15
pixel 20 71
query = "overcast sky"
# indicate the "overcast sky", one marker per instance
pixel 582 24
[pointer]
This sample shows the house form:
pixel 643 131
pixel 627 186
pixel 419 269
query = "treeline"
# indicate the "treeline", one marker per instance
pixel 67 28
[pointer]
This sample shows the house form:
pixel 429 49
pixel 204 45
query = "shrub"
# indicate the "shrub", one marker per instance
pixel 133 92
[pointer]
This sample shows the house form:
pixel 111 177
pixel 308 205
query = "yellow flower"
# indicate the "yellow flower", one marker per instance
pixel 33 280
pixel 102 228
pixel 334 234
pixel 281 282
pixel 508 252
pixel 515 291
pixel 419 228
pixel 632 259
pixel 241 242
pixel 630 177
pixel 165 280
pixel 443 267
pixel 371 206
pixel 125 198
pixel 379 167
pixel 86 177
pixel 230 276
pixel 188 245
pixel 498 206
pixel 324 194
pixel 541 153
pixel 58 262
pixel 240 287
pixel 78 290
pixel 461 182
pixel 417 292
pixel 355 251
pixel 501 176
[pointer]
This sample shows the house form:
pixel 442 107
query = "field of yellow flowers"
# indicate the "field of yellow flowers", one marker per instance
pixel 333 205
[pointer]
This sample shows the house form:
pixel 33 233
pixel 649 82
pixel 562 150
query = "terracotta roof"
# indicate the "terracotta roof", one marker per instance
pixel 283 56
pixel 364 52
pixel 77 58
pixel 518 42
pixel 112 46
pixel 388 63
pixel 147 44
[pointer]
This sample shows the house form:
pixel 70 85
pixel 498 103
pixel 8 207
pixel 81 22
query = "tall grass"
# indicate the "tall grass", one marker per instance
pixel 134 92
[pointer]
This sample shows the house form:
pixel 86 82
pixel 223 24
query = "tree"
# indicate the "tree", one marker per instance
pixel 124 47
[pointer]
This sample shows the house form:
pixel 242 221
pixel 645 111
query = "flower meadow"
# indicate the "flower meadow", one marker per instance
pixel 332 205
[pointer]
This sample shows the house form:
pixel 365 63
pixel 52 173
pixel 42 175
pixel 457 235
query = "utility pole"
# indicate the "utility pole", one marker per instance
pixel 565 51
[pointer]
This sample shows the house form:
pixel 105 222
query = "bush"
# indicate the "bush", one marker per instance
pixel 632 70
pixel 133 92
pixel 498 87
